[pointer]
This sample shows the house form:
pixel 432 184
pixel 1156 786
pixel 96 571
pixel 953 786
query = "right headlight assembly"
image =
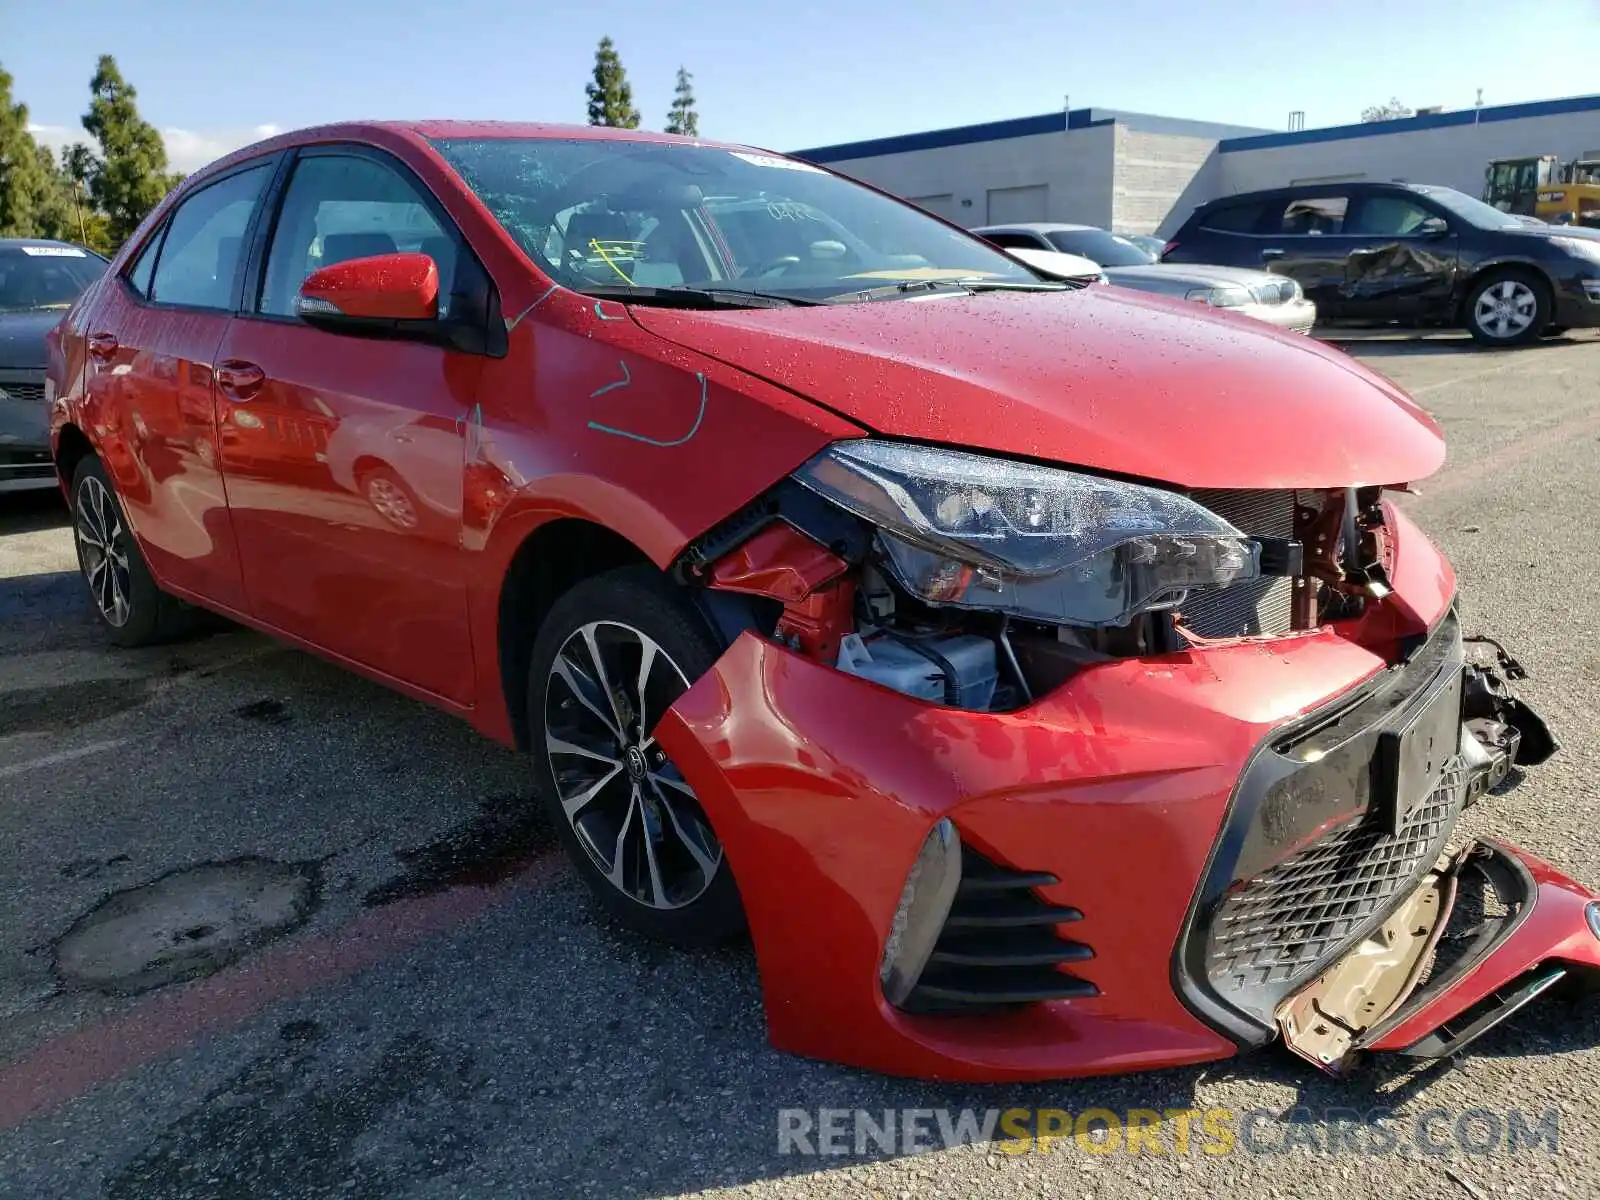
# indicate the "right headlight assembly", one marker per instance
pixel 971 531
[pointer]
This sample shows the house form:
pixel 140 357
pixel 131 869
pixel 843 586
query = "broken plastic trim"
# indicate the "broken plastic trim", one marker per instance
pixel 930 890
pixel 1325 1022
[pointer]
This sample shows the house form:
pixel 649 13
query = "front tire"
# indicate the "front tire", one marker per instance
pixel 614 653
pixel 1507 308
pixel 134 611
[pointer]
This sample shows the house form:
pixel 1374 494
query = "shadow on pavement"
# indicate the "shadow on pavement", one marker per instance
pixel 32 511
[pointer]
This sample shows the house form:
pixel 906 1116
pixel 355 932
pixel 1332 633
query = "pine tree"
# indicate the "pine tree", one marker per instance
pixel 26 186
pixel 681 117
pixel 610 97
pixel 56 216
pixel 130 177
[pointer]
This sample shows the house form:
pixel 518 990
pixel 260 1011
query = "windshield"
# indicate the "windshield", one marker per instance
pixel 33 278
pixel 1473 212
pixel 1107 249
pixel 610 214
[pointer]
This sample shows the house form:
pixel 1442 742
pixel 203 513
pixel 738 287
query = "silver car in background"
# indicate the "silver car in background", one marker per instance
pixel 1275 299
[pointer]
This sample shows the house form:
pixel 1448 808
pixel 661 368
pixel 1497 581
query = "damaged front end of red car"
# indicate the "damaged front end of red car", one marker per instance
pixel 1025 779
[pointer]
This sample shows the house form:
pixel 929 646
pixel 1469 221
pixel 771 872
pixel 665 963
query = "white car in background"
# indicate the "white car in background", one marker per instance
pixel 1275 299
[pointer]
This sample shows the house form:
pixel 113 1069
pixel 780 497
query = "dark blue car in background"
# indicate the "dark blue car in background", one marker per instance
pixel 39 280
pixel 1406 253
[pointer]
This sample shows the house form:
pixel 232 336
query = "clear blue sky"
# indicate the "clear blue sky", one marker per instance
pixel 795 74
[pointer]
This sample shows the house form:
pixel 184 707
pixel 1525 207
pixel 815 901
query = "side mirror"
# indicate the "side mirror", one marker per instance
pixel 381 289
pixel 1433 227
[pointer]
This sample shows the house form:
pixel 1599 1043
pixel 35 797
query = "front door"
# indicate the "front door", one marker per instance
pixel 1401 261
pixel 344 455
pixel 153 343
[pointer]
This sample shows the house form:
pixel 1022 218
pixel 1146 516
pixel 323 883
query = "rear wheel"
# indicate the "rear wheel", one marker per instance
pixel 1507 308
pixel 133 609
pixel 615 652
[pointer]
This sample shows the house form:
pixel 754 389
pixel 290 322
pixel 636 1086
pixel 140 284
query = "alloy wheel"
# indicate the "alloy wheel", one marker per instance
pixel 103 551
pixel 633 813
pixel 391 503
pixel 1505 309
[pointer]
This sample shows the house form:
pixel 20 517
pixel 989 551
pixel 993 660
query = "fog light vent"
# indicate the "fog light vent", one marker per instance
pixel 998 947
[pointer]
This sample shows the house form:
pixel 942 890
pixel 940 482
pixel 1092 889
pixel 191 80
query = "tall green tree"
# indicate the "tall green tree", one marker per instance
pixel 681 117
pixel 56 216
pixel 610 97
pixel 27 187
pixel 130 177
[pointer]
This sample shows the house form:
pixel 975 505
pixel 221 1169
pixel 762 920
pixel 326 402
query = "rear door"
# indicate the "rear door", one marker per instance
pixel 1303 236
pixel 1224 234
pixel 153 337
pixel 344 455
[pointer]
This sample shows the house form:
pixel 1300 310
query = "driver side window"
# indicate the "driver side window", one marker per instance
pixel 339 207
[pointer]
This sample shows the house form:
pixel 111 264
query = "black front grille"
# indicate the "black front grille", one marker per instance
pixel 1278 929
pixel 1304 865
pixel 1261 607
pixel 999 947
pixel 27 393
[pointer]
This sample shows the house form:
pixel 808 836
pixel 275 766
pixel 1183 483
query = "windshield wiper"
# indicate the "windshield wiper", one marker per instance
pixel 894 291
pixel 695 297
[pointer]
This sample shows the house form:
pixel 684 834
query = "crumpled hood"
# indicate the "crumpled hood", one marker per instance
pixel 1106 378
pixel 22 337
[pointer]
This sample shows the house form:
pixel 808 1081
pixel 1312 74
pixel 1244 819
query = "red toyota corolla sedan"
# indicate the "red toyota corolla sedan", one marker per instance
pixel 1040 672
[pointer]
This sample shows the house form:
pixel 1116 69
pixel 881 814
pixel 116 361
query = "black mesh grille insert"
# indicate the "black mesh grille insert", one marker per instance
pixel 1283 925
pixel 999 947
pixel 28 393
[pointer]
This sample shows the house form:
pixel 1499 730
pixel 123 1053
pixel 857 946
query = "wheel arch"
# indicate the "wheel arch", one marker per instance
pixel 1501 266
pixel 549 561
pixel 72 447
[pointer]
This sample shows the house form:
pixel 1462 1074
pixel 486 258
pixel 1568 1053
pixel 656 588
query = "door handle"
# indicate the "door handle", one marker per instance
pixel 239 379
pixel 102 346
pixel 1271 252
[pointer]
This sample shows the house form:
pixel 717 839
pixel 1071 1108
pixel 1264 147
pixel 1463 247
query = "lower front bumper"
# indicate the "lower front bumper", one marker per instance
pixel 25 460
pixel 1545 933
pixel 1108 796
pixel 1577 303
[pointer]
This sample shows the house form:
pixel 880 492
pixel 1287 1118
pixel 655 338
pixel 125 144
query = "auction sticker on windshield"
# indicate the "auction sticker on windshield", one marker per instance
pixel 53 252
pixel 772 160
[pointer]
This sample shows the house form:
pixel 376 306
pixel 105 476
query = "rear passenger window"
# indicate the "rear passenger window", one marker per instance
pixel 1314 215
pixel 145 265
pixel 1233 218
pixel 340 207
pixel 200 256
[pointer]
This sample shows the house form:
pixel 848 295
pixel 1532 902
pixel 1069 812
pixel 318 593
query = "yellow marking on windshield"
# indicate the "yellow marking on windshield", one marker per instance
pixel 594 244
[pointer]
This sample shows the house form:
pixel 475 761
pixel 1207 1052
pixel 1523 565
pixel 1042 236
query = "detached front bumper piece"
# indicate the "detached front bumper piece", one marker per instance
pixel 1490 931
pixel 1146 867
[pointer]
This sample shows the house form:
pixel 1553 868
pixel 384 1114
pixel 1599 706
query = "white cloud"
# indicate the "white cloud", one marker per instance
pixel 187 149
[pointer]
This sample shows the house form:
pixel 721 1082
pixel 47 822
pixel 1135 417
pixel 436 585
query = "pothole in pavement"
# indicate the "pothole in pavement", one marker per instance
pixel 67 705
pixel 508 833
pixel 189 922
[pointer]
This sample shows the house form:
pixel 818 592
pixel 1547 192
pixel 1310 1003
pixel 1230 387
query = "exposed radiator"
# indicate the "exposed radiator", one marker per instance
pixel 1261 607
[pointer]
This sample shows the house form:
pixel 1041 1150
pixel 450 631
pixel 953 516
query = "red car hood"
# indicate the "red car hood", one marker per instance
pixel 1103 378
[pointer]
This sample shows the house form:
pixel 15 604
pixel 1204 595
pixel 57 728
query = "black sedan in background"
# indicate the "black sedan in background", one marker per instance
pixel 1407 253
pixel 39 280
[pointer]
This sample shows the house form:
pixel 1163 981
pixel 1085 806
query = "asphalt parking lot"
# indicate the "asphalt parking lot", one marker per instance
pixel 430 1008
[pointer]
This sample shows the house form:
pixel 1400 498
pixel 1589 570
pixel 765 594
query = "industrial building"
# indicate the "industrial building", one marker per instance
pixel 1143 174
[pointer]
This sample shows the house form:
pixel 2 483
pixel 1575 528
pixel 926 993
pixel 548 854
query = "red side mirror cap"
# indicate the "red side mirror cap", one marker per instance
pixel 384 287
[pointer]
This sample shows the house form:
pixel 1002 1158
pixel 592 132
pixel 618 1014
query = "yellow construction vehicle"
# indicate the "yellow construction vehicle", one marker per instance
pixel 1542 186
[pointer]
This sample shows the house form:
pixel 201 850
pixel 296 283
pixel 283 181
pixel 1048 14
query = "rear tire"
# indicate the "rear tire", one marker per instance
pixel 1507 308
pixel 614 653
pixel 123 593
